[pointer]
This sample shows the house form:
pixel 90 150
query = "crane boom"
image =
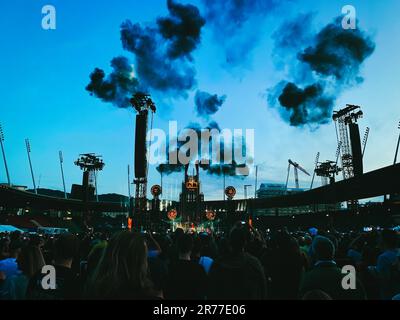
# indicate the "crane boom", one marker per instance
pixel 296 174
pixel 365 140
pixel 296 165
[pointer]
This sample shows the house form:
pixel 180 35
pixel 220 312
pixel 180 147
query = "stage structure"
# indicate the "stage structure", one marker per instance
pixel 91 165
pixel 350 141
pixel 328 170
pixel 349 138
pixel 191 197
pixel 143 104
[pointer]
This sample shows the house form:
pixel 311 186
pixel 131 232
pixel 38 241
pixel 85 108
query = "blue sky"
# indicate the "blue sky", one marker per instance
pixel 44 74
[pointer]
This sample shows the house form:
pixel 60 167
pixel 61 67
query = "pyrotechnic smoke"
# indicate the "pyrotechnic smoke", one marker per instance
pixel 116 88
pixel 163 52
pixel 234 24
pixel 323 69
pixel 208 104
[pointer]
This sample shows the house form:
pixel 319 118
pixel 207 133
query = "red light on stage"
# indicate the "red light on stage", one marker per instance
pixel 172 214
pixel 251 222
pixel 210 215
pixel 130 223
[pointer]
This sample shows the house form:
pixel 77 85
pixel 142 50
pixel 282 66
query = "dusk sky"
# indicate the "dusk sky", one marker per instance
pixel 44 74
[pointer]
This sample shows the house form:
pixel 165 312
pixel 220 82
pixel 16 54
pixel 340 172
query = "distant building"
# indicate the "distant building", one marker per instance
pixel 21 188
pixel 271 190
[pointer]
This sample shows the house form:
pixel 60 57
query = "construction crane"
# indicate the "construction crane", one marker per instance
pixel 296 167
pixel 397 148
pixel 365 140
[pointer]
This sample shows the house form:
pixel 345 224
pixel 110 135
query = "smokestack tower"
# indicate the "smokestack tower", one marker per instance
pixel 143 104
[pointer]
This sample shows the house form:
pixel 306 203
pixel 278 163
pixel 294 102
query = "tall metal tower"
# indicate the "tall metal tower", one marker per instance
pixel 4 155
pixel 60 155
pixel 28 150
pixel 349 139
pixel 143 104
pixel 350 142
pixel 90 164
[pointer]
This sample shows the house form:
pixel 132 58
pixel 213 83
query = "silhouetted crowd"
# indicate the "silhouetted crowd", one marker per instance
pixel 244 264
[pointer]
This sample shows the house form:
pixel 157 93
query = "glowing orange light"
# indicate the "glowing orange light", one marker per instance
pixel 172 214
pixel 211 215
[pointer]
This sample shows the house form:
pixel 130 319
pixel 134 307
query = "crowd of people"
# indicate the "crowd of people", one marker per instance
pixel 244 264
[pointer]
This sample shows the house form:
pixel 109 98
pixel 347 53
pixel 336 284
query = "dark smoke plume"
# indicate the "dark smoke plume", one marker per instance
pixel 182 28
pixel 290 37
pixel 231 15
pixel 233 23
pixel 163 52
pixel 310 104
pixel 228 170
pixel 117 87
pixel 338 52
pixel 208 104
pixel 323 70
pixel 166 168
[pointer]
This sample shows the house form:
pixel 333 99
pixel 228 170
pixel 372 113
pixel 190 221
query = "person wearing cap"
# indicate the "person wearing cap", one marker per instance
pixel 326 276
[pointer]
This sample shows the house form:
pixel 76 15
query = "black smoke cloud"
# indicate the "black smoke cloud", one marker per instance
pixel 291 34
pixel 338 52
pixel 182 28
pixel 167 168
pixel 323 69
pixel 224 169
pixel 233 23
pixel 163 52
pixel 208 104
pixel 118 86
pixel 310 104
